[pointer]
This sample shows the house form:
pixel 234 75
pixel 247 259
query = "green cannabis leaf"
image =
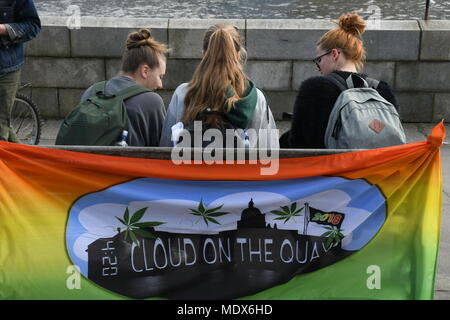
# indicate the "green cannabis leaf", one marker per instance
pixel 288 212
pixel 334 235
pixel 133 226
pixel 207 215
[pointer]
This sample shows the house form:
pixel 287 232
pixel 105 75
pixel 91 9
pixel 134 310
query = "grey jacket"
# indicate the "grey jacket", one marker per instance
pixel 262 119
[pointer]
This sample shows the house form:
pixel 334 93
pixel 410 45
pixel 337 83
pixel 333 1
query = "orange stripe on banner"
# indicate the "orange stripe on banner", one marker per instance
pixel 352 164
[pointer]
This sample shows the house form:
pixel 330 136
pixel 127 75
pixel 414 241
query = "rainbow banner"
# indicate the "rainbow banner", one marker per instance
pixel 358 225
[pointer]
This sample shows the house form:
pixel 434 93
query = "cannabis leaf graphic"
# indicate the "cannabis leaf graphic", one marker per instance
pixel 333 236
pixel 133 226
pixel 207 215
pixel 288 212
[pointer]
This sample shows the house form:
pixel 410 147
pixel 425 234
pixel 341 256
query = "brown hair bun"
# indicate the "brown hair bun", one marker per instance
pixel 142 48
pixel 352 23
pixel 139 38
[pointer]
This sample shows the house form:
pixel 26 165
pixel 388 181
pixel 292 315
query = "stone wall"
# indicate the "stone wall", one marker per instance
pixel 412 56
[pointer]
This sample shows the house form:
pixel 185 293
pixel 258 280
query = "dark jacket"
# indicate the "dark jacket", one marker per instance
pixel 23 24
pixel 312 108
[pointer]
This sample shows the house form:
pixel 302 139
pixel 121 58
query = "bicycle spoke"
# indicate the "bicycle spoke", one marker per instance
pixel 20 118
pixel 25 120
pixel 20 125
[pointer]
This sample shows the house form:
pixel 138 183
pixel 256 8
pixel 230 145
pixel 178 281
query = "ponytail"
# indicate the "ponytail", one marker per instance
pixel 219 80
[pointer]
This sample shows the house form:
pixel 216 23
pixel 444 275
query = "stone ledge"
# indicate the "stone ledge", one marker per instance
pixel 63 72
pixel 107 22
pixel 406 46
pixel 280 102
pixel 108 42
pixel 282 44
pixel 435 40
pixel 186 35
pixel 97 37
pixel 113 67
pixel 179 71
pixel 289 24
pixel 270 75
pixel 68 100
pixel 280 53
pixel 270 39
pixel 302 71
pixel 134 23
pixel 41 46
pixel 47 101
pixel 296 39
pixel 415 107
pixel 441 108
pixel 203 24
pixel 54 21
pixel 423 76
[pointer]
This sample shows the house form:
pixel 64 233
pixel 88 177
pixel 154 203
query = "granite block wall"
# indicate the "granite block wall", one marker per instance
pixel 412 56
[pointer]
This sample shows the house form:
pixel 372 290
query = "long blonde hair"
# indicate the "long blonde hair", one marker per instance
pixel 219 80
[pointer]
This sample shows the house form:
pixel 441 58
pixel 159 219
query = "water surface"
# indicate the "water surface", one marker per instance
pixel 247 9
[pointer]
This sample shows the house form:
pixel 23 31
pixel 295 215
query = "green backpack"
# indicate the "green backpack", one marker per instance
pixel 98 121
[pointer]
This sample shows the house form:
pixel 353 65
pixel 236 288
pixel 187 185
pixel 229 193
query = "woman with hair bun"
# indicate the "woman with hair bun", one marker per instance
pixel 220 95
pixel 143 63
pixel 340 52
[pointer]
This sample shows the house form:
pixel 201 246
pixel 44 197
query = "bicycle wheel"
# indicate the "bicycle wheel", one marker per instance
pixel 26 120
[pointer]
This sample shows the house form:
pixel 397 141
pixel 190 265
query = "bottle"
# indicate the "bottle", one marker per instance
pixel 123 139
pixel 246 140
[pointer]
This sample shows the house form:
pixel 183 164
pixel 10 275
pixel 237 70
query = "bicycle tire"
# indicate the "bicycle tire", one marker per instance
pixel 26 120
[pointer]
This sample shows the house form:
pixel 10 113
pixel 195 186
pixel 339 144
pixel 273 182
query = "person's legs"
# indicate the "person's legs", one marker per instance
pixel 8 88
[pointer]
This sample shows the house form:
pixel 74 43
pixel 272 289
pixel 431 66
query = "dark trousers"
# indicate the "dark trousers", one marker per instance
pixel 8 87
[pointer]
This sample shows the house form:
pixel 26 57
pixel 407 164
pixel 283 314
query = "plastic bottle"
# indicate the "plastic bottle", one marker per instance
pixel 246 140
pixel 123 139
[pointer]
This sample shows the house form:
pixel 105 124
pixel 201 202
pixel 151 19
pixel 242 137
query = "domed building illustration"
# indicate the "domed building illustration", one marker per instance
pixel 252 217
pixel 242 261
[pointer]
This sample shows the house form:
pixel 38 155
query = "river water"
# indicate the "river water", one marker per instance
pixel 247 9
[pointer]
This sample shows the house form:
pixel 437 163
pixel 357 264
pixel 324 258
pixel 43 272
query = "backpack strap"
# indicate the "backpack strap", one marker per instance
pixel 99 90
pixel 99 87
pixel 131 91
pixel 351 83
pixel 373 83
pixel 337 80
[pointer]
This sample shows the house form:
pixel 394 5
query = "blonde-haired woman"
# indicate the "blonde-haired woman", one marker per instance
pixel 143 63
pixel 220 94
pixel 340 52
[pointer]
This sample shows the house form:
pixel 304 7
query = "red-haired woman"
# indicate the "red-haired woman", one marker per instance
pixel 340 51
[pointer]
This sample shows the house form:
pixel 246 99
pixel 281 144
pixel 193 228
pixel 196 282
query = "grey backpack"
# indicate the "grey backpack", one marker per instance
pixel 361 118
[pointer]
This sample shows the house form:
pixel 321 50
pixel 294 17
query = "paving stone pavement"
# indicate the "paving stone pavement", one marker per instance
pixel 414 132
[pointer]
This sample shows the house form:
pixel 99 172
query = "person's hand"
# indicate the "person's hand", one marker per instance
pixel 3 30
